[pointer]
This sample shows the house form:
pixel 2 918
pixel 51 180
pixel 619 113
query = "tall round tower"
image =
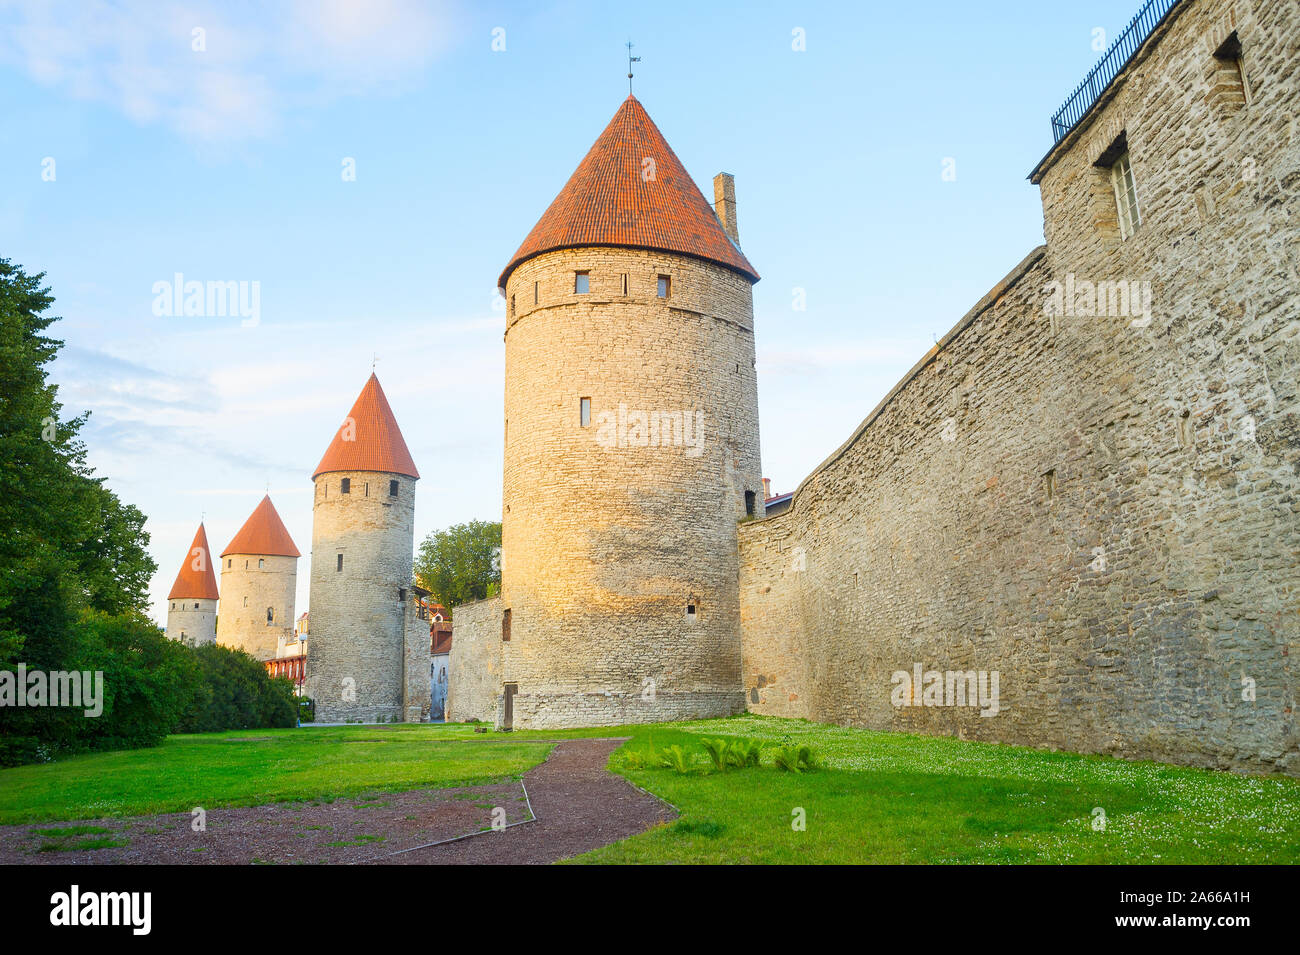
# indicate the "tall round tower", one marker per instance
pixel 366 661
pixel 259 580
pixel 192 602
pixel 631 448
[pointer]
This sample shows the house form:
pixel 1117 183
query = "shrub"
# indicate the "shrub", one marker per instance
pixel 797 757
pixel 236 693
pixel 675 758
pixel 718 752
pixel 744 753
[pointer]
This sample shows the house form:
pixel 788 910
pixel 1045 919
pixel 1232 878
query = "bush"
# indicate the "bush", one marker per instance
pixel 236 693
pixel 797 757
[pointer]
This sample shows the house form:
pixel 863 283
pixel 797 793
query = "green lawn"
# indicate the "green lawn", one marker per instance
pixel 260 766
pixel 882 797
pixel 889 797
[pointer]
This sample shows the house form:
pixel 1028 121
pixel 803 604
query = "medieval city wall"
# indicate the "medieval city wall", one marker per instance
pixel 474 664
pixel 1096 501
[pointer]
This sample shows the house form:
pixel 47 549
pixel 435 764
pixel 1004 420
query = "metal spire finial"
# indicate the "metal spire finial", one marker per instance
pixel 630 60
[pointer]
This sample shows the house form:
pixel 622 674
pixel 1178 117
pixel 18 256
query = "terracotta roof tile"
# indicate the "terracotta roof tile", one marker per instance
pixel 192 584
pixel 263 533
pixel 607 201
pixel 369 439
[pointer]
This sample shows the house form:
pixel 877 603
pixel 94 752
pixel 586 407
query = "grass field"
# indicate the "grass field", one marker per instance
pixel 880 797
pixel 260 766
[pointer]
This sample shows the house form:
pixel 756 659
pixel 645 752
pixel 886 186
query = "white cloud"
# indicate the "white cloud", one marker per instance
pixel 258 62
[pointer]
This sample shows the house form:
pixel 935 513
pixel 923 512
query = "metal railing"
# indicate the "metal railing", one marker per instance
pixel 1115 59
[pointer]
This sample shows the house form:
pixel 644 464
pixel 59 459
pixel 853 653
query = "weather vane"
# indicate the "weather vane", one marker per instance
pixel 630 60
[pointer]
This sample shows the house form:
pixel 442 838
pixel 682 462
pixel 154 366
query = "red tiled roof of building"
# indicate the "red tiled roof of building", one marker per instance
pixel 192 584
pixel 369 438
pixel 610 201
pixel 442 642
pixel 263 533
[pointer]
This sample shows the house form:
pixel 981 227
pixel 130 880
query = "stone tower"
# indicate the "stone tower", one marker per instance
pixel 192 603
pixel 631 444
pixel 369 659
pixel 259 579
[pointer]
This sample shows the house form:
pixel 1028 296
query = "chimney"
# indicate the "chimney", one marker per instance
pixel 724 203
pixel 767 489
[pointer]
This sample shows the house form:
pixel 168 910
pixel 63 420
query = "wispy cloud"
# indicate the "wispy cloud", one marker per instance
pixel 222 72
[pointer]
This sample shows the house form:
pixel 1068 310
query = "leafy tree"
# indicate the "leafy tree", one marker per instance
pixel 235 692
pixel 462 563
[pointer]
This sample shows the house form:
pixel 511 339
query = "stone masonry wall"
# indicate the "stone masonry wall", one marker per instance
pixel 193 621
pixel 611 531
pixel 474 664
pixel 356 670
pixel 1101 503
pixel 247 590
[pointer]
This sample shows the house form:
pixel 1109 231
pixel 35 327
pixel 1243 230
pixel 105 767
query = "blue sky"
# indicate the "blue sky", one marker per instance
pixel 225 164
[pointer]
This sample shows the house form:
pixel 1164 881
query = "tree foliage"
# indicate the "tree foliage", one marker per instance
pixel 461 563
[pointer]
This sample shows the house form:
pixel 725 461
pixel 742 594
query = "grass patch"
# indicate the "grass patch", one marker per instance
pixel 902 798
pixel 258 767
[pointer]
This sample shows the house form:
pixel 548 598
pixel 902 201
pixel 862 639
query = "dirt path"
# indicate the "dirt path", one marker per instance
pixel 576 805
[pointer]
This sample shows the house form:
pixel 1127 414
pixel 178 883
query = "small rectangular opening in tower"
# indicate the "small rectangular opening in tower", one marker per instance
pixel 346 486
pixel 581 282
pixel 665 287
pixel 584 411
pixel 392 489
pixel 1049 484
pixel 505 626
pixel 692 611
pixel 1229 53
pixel 749 503
pixel 536 293
pixel 624 283
pixel 401 594
pixel 339 567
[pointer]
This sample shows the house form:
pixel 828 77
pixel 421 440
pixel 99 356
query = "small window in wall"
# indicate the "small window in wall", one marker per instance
pixel 401 594
pixel 261 562
pixel 536 292
pixel 196 606
pixel 173 606
pixel 1229 55
pixel 692 611
pixel 392 489
pixel 346 486
pixel 581 282
pixel 245 601
pixel 505 626
pixel 339 566
pixel 584 411
pixel 624 283
pixel 512 305
pixel 1049 485
pixel 229 561
pixel 665 286
pixel 270 616
pixel 1126 204
pixel 749 503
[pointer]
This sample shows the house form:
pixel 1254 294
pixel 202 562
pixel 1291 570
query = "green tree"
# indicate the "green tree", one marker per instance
pixel 462 563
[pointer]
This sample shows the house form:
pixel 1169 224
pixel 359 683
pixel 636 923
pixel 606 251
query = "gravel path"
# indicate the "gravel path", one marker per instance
pixel 576 805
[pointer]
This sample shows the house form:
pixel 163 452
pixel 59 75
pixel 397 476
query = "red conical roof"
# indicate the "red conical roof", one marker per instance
pixel 368 439
pixel 608 201
pixel 192 583
pixel 263 533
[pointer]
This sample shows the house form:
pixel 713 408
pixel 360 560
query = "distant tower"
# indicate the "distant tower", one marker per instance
pixel 369 658
pixel 631 447
pixel 259 577
pixel 192 603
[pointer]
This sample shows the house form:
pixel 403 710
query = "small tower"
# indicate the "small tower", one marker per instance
pixel 369 659
pixel 259 577
pixel 192 603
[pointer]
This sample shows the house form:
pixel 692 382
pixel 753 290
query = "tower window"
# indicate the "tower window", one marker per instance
pixel 691 611
pixel 196 606
pixel 261 562
pixel 346 486
pixel 339 567
pixel 535 292
pixel 1121 181
pixel 749 503
pixel 505 626
pixel 270 616
pixel 512 304
pixel 392 489
pixel 624 283
pixel 665 286
pixel 245 601
pixel 229 561
pixel 173 605
pixel 581 282
pixel 584 411
pixel 1229 54
pixel 401 594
